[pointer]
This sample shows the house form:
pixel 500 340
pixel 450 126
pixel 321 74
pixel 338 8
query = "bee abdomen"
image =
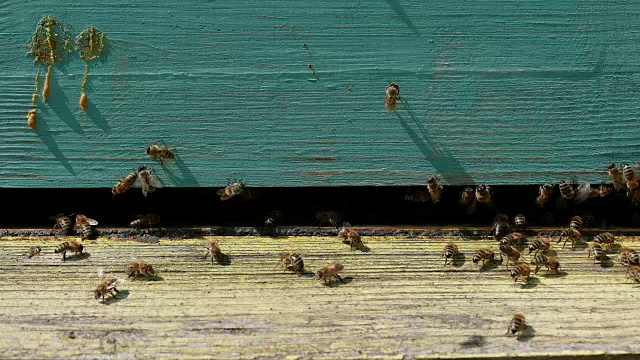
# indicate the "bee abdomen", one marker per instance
pixel 62 247
pixel 597 252
pixel 87 232
pixel 511 239
pixel 576 223
pixel 566 190
pixel 539 260
pixel 604 238
pixel 519 221
pixel 450 250
pixel 34 250
pixel 297 264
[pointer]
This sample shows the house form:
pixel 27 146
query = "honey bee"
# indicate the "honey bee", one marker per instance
pixel 232 189
pixel 634 195
pixel 74 246
pixel 160 153
pixel 598 254
pixel 539 245
pixel 604 191
pixel 516 326
pixel 350 236
pixel 106 286
pixel 512 239
pixel 329 217
pixel 511 253
pixel 435 189
pixel 629 257
pixel 519 222
pixel 327 273
pixel 145 221
pixel 543 260
pixel 520 270
pixel 617 179
pixel 483 254
pixel 273 218
pixel 213 249
pixel 33 251
pixel 63 223
pixel 393 95
pixel 576 223
pixel 584 192
pixel 566 190
pixel 630 177
pixel 570 234
pixel 292 261
pixel 84 226
pixel 125 184
pixel 483 195
pixel 544 194
pixel 139 269
pixel 450 252
pixel 417 195
pixel 148 182
pixel 633 272
pixel 500 227
pixel 467 195
pixel 605 239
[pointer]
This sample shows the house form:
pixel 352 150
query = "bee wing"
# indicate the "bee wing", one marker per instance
pixel 224 197
pixel 582 193
pixel 93 222
pixel 221 191
pixel 100 273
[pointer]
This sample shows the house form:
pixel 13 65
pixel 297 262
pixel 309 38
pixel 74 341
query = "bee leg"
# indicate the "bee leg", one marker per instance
pixel 339 278
pixel 64 256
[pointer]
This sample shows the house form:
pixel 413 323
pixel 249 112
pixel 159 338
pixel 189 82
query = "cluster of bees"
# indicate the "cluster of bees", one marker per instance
pixel 148 181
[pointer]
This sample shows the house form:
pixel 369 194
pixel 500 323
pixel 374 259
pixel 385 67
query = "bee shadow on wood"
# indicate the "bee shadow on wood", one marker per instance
pixel 123 294
pixel 527 334
pixel 345 280
pixel 607 263
pixel 364 248
pixel 186 178
pixel 474 341
pixel 490 265
pixel 459 260
pixel 614 249
pixel 550 274
pixel 532 283
pixel 147 278
pixel 96 116
pixel 59 103
pixel 224 260
pixel 81 256
pixel 42 131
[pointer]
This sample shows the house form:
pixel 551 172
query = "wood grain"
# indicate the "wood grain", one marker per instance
pixel 494 91
pixel 400 302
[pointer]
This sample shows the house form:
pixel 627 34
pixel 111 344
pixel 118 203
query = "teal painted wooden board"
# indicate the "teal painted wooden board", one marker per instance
pixel 503 92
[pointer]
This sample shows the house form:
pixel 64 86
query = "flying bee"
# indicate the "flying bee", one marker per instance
pixel 576 223
pixel 329 217
pixel 84 225
pixel 511 253
pixel 232 189
pixel 570 234
pixel 516 326
pixel 106 286
pixel 544 194
pixel 292 261
pixel 145 221
pixel 630 177
pixel 213 249
pixel 483 254
pixel 512 239
pixel 519 222
pixel 435 189
pixel 33 251
pixel 393 95
pixel 500 227
pixel 125 184
pixel 139 269
pixel 597 252
pixel 605 239
pixel 450 252
pixel 273 218
pixel 566 190
pixel 148 182
pixel 74 246
pixel 419 195
pixel 63 223
pixel 543 260
pixel 350 236
pixel 327 273
pixel 617 179
pixel 629 257
pixel 539 245
pixel 160 153
pixel 520 270
pixel 467 195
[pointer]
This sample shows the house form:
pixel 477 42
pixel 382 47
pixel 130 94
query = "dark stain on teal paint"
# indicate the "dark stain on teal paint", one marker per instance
pixel 42 131
pixel 59 103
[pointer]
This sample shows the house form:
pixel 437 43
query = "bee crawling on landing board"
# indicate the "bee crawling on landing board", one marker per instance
pixel 84 226
pixel 597 252
pixel 139 269
pixel 539 244
pixel 511 253
pixel 520 270
pixel 74 246
pixel 106 286
pixel 516 326
pixel 292 261
pixel 160 153
pixel 519 222
pixel 232 189
pixel 350 236
pixel 483 255
pixel 213 250
pixel 500 227
pixel 449 253
pixel 33 251
pixel 628 257
pixel 570 234
pixel 327 273
pixel 543 260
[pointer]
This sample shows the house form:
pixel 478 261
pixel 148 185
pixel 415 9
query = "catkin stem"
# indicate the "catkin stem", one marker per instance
pixel 45 90
pixel 83 95
pixel 86 75
pixel 35 93
pixel 51 45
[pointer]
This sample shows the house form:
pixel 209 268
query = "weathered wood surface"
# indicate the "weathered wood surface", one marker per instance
pixel 400 302
pixel 497 91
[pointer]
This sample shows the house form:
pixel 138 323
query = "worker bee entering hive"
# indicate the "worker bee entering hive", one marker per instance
pixel 85 226
pixel 148 182
pixel 328 273
pixel 145 221
pixel 545 192
pixel 500 227
pixel 74 246
pixel 232 189
pixel 350 236
pixel 570 234
pixel 64 224
pixel 125 184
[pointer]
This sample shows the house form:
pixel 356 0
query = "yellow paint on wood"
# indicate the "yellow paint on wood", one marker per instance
pixel 400 302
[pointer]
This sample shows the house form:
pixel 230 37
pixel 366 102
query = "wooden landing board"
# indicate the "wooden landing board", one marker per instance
pixel 400 303
pixel 495 91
